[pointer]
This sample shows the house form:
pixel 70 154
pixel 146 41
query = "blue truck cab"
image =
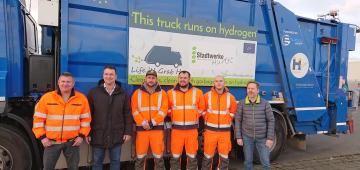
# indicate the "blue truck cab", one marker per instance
pixel 301 63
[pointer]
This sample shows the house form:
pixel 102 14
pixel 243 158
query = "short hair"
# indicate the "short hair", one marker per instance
pixel 221 76
pixel 184 72
pixel 66 74
pixel 253 82
pixel 111 67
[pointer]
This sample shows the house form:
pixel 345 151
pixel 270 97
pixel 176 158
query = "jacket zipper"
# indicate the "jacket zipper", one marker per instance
pixel 184 107
pixel 62 124
pixel 110 118
pixel 149 107
pixel 253 119
pixel 62 121
pixel 219 110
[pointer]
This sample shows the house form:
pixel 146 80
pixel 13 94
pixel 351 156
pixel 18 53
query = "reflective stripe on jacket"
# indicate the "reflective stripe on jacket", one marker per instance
pixel 220 111
pixel 185 108
pixel 151 107
pixel 59 120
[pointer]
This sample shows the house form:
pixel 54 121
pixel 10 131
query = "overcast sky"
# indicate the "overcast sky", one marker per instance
pixel 349 12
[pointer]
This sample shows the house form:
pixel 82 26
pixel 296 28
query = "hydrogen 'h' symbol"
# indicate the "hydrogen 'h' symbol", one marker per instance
pixel 296 63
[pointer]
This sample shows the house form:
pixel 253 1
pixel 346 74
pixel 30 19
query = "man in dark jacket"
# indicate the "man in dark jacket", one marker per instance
pixel 254 125
pixel 112 120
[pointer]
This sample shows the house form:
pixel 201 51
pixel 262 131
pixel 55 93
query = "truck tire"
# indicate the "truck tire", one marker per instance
pixel 14 151
pixel 280 137
pixel 279 140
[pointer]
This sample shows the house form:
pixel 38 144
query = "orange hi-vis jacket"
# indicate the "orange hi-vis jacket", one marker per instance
pixel 59 120
pixel 185 108
pixel 151 107
pixel 221 109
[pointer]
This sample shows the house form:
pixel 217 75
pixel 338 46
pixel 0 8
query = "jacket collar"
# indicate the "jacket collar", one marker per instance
pixel 247 100
pixel 117 89
pixel 71 94
pixel 112 90
pixel 226 90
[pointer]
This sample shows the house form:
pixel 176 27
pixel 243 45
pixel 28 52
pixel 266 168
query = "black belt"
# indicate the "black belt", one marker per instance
pixel 159 127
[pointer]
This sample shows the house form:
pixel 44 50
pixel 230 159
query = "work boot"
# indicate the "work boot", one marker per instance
pixel 175 163
pixel 191 163
pixel 159 164
pixel 206 163
pixel 139 163
pixel 223 163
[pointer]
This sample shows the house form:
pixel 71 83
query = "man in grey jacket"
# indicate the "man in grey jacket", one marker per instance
pixel 254 125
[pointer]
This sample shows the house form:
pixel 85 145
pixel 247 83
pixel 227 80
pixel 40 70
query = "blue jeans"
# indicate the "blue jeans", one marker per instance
pixel 263 151
pixel 52 153
pixel 98 155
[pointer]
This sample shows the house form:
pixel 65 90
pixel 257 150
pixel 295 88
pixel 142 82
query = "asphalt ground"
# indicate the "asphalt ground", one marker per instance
pixel 322 153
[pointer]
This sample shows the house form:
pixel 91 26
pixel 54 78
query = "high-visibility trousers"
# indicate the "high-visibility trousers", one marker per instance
pixel 181 138
pixel 219 139
pixel 154 138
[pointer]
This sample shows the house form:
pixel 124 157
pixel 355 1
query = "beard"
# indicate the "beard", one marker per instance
pixel 153 85
pixel 252 95
pixel 184 86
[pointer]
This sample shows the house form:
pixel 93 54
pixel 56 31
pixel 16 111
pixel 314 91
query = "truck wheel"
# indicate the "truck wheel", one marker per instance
pixel 279 140
pixel 14 151
pixel 280 137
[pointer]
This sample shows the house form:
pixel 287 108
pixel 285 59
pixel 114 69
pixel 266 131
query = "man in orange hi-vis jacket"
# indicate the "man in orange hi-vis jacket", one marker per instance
pixel 186 104
pixel 61 120
pixel 221 108
pixel 149 106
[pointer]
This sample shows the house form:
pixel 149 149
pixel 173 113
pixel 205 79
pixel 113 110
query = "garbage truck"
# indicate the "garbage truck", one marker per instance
pixel 300 63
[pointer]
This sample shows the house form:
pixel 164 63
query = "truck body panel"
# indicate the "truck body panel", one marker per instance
pixel 85 24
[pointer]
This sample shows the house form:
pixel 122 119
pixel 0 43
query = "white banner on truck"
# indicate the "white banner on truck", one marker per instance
pixel 203 49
